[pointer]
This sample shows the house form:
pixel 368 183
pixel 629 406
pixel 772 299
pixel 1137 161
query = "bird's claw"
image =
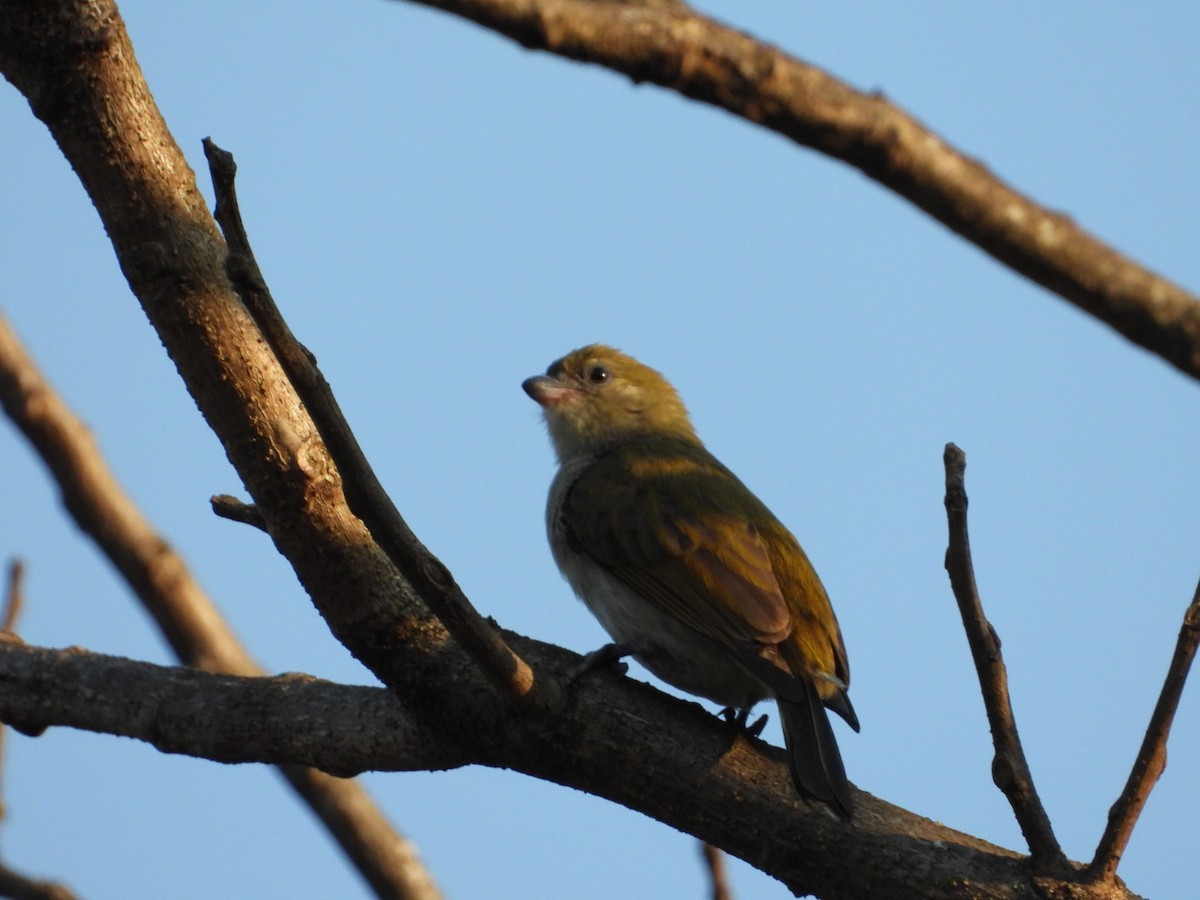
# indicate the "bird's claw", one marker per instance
pixel 739 718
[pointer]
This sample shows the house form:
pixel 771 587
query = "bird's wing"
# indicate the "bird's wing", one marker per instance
pixel 667 524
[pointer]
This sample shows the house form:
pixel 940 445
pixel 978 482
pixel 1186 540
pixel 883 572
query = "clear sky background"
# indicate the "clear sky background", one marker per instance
pixel 441 213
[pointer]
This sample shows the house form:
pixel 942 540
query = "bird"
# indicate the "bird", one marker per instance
pixel 684 567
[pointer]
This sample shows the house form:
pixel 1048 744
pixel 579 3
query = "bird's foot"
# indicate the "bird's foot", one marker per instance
pixel 739 719
pixel 607 657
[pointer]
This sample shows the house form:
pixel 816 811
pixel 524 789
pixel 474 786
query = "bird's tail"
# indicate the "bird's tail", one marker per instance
pixel 816 763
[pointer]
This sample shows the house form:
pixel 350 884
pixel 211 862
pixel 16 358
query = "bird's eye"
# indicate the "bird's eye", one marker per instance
pixel 598 374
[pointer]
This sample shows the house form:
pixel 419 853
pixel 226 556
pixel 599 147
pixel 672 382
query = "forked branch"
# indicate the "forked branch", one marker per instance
pixel 1009 768
pixel 364 494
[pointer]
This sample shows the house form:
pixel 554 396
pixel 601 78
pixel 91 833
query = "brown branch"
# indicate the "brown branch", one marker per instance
pixel 364 494
pixel 14 884
pixel 284 719
pixel 13 600
pixel 1152 756
pixel 669 44
pixel 14 597
pixel 182 610
pixel 21 887
pixel 100 507
pixel 714 861
pixel 235 510
pixel 365 834
pixel 1010 770
pixel 671 758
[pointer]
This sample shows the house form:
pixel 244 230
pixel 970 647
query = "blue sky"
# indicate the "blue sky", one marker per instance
pixel 441 213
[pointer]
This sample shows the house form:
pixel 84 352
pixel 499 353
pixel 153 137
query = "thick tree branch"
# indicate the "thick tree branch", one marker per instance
pixel 364 494
pixel 183 611
pixel 285 719
pixel 1152 756
pixel 1010 770
pixel 675 759
pixel 667 43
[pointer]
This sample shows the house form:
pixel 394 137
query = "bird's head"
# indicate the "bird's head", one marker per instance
pixel 597 397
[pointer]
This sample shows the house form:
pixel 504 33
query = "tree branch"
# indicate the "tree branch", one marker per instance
pixel 364 494
pixel 672 759
pixel 230 507
pixel 667 43
pixel 13 601
pixel 14 884
pixel 182 610
pixel 1152 756
pixel 714 861
pixel 1010 770
pixel 22 887
pixel 14 597
pixel 285 719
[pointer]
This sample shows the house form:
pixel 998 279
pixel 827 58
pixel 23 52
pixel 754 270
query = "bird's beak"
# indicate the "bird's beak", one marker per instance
pixel 546 391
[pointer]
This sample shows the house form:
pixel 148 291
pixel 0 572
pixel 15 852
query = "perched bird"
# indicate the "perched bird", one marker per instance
pixel 684 567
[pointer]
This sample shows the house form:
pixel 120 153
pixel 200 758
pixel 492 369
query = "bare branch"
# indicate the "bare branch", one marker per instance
pixel 667 43
pixel 1010 770
pixel 14 884
pixel 183 611
pixel 14 598
pixel 228 507
pixel 714 860
pixel 159 577
pixel 292 718
pixel 674 762
pixel 390 863
pixel 22 887
pixel 364 494
pixel 1152 756
pixel 12 610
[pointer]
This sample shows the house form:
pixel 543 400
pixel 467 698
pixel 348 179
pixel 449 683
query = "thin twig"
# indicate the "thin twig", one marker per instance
pixel 228 507
pixel 15 597
pixel 14 884
pixel 182 609
pixel 1010 770
pixel 1152 757
pixel 714 860
pixel 13 600
pixel 364 494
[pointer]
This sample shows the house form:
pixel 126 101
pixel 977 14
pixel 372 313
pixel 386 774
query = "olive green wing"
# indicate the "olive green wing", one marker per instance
pixel 669 522
pixel 676 526
pixel 816 645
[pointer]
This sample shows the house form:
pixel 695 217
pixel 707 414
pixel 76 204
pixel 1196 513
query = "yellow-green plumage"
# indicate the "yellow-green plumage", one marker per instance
pixel 683 564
